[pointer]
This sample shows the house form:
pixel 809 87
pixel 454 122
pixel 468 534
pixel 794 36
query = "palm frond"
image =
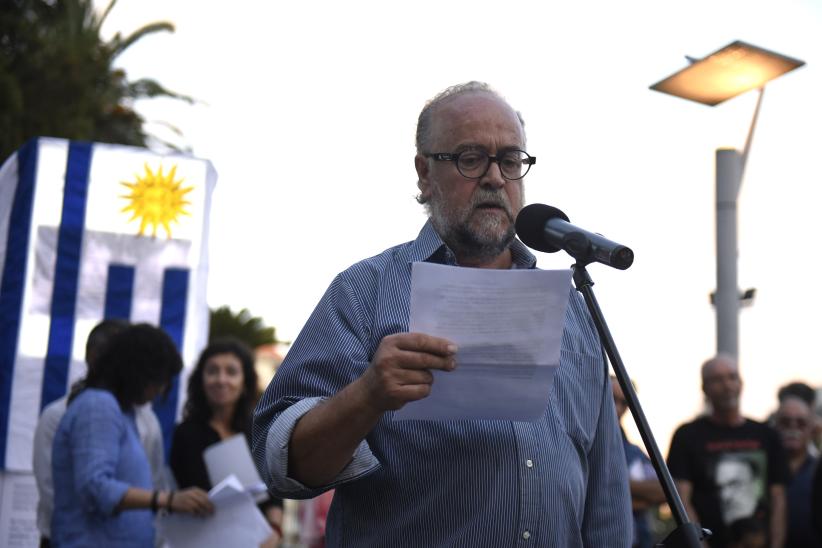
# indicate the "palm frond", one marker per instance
pixel 147 87
pixel 119 45
pixel 243 325
pixel 103 16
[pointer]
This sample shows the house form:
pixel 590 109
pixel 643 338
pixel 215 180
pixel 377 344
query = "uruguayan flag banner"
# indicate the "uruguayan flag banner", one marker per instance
pixel 91 231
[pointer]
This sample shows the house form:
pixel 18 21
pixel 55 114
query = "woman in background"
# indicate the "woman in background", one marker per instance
pixel 102 480
pixel 222 392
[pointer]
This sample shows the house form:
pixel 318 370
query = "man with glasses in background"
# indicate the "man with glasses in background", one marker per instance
pixel 326 420
pixel 793 421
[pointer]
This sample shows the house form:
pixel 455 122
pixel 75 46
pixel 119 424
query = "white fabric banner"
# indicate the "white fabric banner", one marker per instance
pixel 91 231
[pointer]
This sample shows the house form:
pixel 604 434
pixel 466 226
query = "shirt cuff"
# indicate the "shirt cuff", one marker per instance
pixel 276 456
pixel 109 496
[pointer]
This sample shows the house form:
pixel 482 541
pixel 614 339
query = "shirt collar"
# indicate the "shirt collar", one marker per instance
pixel 429 247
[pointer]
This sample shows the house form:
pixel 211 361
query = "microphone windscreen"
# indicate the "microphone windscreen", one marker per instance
pixel 530 225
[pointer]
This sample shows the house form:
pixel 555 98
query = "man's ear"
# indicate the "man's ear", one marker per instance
pixel 423 177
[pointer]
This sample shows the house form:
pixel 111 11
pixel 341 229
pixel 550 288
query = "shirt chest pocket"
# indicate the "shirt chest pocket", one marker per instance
pixel 576 397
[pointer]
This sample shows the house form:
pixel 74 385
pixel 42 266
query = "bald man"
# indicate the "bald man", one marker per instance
pixel 729 468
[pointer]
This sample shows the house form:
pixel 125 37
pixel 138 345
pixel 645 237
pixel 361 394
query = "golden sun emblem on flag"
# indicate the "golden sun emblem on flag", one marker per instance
pixel 156 199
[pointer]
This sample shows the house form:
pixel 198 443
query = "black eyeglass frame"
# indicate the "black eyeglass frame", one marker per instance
pixel 454 157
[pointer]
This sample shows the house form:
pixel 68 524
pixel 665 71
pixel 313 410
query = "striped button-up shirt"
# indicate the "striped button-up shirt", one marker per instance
pixel 559 481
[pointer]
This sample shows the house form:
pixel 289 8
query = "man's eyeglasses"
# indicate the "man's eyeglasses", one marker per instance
pixel 788 422
pixel 474 164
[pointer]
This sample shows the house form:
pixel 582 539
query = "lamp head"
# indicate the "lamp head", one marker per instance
pixel 726 73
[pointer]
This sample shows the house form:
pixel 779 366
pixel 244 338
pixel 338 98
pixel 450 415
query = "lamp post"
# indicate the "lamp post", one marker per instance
pixel 722 75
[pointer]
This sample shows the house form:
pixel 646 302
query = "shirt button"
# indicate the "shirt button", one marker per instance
pixel 530 464
pixel 526 535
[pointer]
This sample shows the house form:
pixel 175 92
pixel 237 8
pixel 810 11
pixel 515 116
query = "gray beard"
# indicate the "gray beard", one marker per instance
pixel 468 243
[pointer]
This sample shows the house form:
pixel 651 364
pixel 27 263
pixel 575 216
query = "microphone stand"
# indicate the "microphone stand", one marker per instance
pixel 686 534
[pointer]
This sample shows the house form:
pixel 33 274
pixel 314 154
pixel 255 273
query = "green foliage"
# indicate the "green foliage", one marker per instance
pixel 243 325
pixel 57 76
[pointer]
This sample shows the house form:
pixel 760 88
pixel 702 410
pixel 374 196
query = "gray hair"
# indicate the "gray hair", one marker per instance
pixel 426 115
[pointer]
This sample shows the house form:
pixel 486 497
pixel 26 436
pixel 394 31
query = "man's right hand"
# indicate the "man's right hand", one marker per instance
pixel 400 369
pixel 324 439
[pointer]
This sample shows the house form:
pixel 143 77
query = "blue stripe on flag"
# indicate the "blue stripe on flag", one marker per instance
pixel 13 283
pixel 66 273
pixel 172 320
pixel 119 292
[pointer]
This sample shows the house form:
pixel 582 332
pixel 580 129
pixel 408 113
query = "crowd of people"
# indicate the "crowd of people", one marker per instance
pixel 750 483
pixel 325 423
pixel 98 454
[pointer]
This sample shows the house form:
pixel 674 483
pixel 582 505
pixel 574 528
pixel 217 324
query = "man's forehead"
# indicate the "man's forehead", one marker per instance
pixel 719 367
pixel 473 107
pixel 732 467
pixel 470 98
pixel 794 406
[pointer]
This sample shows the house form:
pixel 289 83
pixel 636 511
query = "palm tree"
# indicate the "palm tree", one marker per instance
pixel 248 328
pixel 57 76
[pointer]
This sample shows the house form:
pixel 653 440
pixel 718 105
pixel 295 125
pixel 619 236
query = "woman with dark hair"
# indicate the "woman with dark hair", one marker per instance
pixel 102 481
pixel 222 392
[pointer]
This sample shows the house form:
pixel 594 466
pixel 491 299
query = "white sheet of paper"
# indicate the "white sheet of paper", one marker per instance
pixel 233 457
pixel 508 326
pixel 236 521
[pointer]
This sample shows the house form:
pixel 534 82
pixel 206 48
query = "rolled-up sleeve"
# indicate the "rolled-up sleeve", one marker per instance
pixel 332 351
pixel 96 435
pixel 362 463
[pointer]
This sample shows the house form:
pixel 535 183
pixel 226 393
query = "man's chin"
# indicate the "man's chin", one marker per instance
pixel 727 405
pixel 491 227
pixel 491 244
pixel 492 215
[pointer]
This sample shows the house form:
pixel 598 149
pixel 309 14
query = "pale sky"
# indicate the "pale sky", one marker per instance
pixel 308 115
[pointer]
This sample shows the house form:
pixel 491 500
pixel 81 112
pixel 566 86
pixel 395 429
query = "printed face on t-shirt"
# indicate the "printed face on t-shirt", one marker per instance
pixel 739 484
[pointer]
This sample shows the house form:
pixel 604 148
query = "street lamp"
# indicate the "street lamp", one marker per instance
pixel 722 75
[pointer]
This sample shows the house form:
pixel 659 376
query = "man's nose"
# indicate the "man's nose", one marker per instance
pixel 493 177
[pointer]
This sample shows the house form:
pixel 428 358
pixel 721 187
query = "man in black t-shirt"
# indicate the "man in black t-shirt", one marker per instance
pixel 729 468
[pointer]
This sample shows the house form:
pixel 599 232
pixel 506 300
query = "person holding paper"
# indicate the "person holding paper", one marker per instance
pixel 327 418
pixel 148 429
pixel 103 493
pixel 222 390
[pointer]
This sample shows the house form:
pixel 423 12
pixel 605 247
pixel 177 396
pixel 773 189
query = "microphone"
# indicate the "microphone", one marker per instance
pixel 548 229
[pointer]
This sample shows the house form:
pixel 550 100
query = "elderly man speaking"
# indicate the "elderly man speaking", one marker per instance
pixel 325 420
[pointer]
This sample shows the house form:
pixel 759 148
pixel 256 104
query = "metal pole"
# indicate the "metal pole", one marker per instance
pixel 730 168
pixel 729 165
pixel 687 534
